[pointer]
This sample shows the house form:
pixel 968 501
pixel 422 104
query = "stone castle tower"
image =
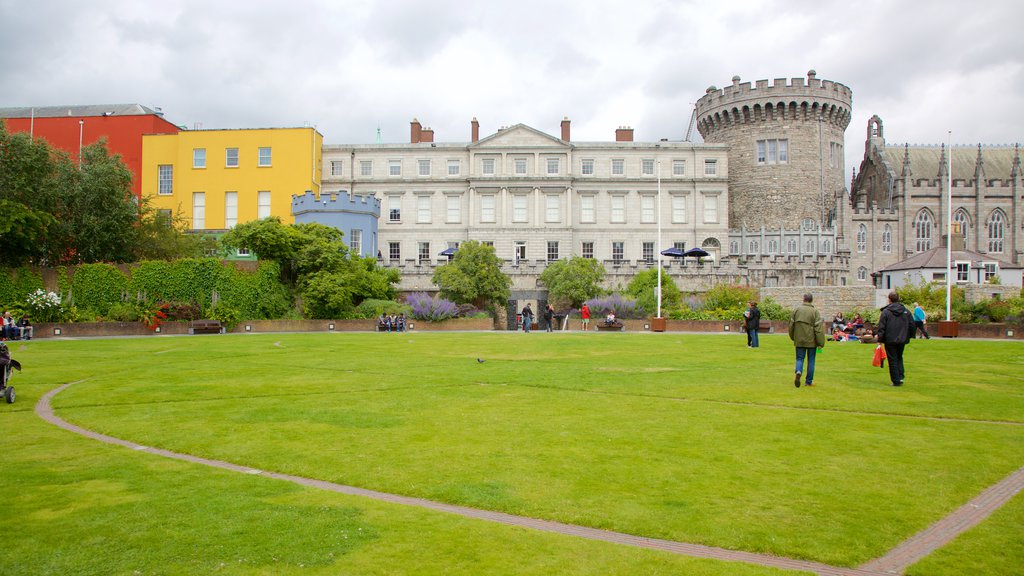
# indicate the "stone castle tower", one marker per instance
pixel 787 144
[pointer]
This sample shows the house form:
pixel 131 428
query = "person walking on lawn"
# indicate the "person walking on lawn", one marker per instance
pixel 894 331
pixel 807 332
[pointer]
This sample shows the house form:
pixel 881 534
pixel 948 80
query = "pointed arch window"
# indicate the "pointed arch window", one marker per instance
pixel 923 225
pixel 961 219
pixel 862 239
pixel 887 239
pixel 996 225
pixel 862 273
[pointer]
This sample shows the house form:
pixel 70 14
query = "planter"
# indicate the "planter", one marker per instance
pixel 658 324
pixel 949 328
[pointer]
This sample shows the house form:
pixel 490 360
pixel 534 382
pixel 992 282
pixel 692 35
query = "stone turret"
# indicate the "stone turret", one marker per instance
pixel 787 138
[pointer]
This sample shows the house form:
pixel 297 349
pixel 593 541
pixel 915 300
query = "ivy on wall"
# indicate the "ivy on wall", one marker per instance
pixel 16 284
pixel 206 282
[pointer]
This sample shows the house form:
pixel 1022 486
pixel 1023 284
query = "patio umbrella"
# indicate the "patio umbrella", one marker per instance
pixel 696 253
pixel 449 252
pixel 674 252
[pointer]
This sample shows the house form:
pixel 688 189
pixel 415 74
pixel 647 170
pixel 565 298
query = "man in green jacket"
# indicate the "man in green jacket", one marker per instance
pixel 807 333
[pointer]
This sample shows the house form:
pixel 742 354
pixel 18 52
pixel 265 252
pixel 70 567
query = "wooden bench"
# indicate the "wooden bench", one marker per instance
pixel 205 327
pixel 614 327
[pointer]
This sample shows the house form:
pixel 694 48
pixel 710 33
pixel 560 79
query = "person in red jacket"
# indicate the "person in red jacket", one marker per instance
pixel 585 312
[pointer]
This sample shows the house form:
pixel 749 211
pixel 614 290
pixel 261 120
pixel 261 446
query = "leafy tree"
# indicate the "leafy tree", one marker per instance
pixel 474 276
pixel 269 239
pixel 23 233
pixel 573 281
pixel 642 287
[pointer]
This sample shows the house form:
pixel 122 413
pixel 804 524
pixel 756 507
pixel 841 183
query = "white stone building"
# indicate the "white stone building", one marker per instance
pixel 537 198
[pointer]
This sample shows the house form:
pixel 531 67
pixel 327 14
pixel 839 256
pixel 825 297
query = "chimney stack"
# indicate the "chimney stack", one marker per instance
pixel 623 134
pixel 415 131
pixel 427 135
pixel 565 128
pixel 475 130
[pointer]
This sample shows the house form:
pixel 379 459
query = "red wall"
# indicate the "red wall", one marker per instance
pixel 123 134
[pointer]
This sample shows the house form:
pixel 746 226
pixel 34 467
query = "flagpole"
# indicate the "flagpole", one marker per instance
pixel 949 227
pixel 658 287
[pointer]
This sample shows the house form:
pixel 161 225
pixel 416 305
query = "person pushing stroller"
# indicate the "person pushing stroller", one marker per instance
pixel 6 364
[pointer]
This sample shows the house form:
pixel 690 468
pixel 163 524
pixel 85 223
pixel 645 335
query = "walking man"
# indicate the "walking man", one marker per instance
pixel 808 334
pixel 894 332
pixel 919 318
pixel 585 313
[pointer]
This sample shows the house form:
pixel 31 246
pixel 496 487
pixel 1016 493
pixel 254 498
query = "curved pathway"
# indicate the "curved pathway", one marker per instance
pixel 895 562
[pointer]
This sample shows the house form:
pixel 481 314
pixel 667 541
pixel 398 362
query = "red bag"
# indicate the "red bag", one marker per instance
pixel 879 359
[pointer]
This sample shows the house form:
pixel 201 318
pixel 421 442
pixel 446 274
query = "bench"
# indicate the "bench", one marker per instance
pixel 614 327
pixel 205 327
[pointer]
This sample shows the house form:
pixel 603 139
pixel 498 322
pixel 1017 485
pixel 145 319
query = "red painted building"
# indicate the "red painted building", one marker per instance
pixel 69 127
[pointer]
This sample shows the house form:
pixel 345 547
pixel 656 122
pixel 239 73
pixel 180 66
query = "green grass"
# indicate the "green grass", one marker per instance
pixel 687 437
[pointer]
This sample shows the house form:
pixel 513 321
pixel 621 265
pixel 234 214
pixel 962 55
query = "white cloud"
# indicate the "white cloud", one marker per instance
pixel 348 67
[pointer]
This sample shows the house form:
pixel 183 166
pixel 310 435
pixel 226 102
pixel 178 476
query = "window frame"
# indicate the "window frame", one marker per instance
pixel 165 180
pixel 199 158
pixel 260 157
pixel 229 155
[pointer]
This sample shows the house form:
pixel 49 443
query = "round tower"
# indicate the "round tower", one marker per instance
pixel 786 147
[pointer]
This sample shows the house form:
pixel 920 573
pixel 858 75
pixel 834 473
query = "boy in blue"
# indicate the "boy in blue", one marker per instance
pixel 919 318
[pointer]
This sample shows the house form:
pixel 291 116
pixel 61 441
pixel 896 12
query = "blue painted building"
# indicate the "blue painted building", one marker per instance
pixel 356 216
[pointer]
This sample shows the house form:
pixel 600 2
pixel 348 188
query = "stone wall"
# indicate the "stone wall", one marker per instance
pixel 827 299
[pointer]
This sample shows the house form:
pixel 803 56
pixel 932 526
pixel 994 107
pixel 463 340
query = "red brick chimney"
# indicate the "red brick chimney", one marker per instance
pixel 565 128
pixel 623 134
pixel 475 130
pixel 427 135
pixel 415 131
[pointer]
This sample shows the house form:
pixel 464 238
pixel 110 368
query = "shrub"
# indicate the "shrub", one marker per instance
pixel 123 312
pixel 43 306
pixel 225 313
pixel 372 308
pixel 621 307
pixel 97 286
pixel 424 307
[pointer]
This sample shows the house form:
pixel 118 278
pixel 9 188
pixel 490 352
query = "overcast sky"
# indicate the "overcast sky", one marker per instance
pixel 925 67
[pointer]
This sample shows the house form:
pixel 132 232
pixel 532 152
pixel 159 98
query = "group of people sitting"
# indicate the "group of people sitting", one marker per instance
pixel 846 331
pixel 609 320
pixel 391 323
pixel 15 330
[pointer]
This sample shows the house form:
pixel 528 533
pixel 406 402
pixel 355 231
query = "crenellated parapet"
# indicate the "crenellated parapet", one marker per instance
pixel 340 201
pixel 807 99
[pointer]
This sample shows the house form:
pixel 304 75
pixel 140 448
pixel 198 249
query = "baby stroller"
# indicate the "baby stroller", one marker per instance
pixel 7 367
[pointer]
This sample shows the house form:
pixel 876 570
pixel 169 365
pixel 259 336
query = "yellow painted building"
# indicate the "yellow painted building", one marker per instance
pixel 219 178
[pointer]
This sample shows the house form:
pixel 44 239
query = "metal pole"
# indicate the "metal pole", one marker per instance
pixel 658 287
pixel 949 227
pixel 81 128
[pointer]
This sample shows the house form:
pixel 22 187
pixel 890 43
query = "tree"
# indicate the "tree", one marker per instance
pixel 573 281
pixel 269 239
pixel 642 287
pixel 474 276
pixel 23 233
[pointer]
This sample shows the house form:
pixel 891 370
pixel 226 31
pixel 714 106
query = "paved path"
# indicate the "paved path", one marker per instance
pixel 895 562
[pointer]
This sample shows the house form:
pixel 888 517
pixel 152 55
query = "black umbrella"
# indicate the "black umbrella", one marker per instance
pixel 696 253
pixel 449 252
pixel 674 252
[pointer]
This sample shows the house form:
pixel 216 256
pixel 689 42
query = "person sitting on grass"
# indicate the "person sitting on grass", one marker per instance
pixel 839 336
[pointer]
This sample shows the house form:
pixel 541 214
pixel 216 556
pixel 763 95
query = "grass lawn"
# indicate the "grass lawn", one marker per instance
pixel 686 437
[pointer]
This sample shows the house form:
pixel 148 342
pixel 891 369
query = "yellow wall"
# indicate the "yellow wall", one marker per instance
pixel 295 168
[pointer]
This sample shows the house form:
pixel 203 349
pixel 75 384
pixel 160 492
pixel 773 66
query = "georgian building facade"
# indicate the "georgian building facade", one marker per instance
pixel 536 198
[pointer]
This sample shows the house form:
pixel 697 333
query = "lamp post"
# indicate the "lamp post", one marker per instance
pixel 658 288
pixel 949 227
pixel 81 129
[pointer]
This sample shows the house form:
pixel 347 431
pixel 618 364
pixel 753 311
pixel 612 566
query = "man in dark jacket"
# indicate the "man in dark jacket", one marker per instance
pixel 894 331
pixel 751 322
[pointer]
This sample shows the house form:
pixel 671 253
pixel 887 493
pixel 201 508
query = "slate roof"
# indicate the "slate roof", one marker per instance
pixel 936 258
pixel 924 161
pixel 78 111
